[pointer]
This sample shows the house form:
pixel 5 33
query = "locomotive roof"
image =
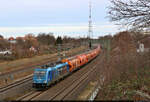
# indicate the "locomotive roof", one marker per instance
pixel 52 64
pixel 39 69
pixel 60 65
pixel 51 68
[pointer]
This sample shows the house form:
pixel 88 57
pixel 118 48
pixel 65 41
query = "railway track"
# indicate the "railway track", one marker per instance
pixel 30 95
pixel 66 92
pixel 58 92
pixel 69 92
pixel 7 89
pixel 52 59
pixel 15 84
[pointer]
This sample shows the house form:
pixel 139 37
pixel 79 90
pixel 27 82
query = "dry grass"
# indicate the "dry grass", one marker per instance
pixel 17 64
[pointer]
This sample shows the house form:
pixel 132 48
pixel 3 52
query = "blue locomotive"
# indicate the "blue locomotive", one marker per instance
pixel 52 72
pixel 47 75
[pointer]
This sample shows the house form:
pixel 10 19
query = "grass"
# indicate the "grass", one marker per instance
pixel 13 65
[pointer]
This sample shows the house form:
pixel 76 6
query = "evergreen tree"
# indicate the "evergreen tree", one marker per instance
pixel 59 40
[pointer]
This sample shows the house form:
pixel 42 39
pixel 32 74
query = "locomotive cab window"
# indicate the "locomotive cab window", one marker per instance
pixel 40 73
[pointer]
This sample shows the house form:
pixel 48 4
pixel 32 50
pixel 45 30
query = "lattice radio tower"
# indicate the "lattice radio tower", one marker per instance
pixel 90 32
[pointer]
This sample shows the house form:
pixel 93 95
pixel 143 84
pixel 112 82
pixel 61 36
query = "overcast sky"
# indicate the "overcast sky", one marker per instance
pixel 62 17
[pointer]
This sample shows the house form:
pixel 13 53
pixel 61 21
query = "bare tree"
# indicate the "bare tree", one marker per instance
pixel 134 13
pixel 46 39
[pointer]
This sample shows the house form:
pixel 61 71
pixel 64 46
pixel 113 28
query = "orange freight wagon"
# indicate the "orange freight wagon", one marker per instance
pixel 83 59
pixel 73 63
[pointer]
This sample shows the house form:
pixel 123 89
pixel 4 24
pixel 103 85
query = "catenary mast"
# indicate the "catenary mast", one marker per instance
pixel 90 23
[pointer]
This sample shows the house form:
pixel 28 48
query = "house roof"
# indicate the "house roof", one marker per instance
pixel 11 38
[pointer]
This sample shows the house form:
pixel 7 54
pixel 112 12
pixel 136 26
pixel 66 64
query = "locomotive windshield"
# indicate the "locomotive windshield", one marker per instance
pixel 39 73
